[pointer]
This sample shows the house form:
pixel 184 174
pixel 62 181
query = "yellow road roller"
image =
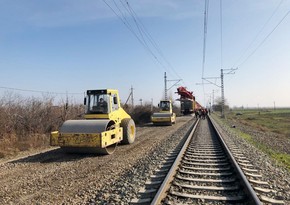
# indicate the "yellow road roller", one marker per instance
pixel 165 116
pixel 105 125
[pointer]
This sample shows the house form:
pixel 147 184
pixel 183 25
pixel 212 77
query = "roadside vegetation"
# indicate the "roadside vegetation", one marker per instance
pixel 277 121
pixel 26 122
pixel 250 124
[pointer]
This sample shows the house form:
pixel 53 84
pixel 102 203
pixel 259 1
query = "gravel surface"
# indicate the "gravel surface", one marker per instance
pixel 278 177
pixel 53 177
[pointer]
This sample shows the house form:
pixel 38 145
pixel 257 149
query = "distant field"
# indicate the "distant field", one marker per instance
pixel 277 121
pixel 266 121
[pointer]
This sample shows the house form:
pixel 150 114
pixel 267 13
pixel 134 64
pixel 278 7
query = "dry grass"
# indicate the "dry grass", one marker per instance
pixel 276 121
pixel 267 130
pixel 26 122
pixel 11 144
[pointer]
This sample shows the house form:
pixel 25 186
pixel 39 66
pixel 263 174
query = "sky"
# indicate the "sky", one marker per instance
pixel 66 47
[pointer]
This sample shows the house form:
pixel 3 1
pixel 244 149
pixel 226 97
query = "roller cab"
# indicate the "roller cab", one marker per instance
pixel 105 125
pixel 165 116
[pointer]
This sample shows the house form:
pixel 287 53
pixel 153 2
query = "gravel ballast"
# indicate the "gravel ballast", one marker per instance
pixel 277 176
pixel 54 177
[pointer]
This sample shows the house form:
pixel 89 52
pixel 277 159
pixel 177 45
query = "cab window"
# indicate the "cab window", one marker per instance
pixel 165 106
pixel 98 103
pixel 115 105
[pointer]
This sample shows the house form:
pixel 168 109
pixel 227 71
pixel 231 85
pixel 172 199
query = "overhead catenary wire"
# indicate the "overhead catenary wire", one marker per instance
pixel 125 20
pixel 263 41
pixel 258 34
pixel 142 34
pixel 255 38
pixel 206 6
pixel 144 43
pixel 206 12
pixel 221 29
pixel 127 24
pixel 39 91
pixel 129 10
pixel 143 29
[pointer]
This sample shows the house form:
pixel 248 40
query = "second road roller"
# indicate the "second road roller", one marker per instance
pixel 105 125
pixel 165 116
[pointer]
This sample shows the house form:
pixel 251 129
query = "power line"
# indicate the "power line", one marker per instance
pixel 39 91
pixel 258 34
pixel 244 52
pixel 206 5
pixel 254 51
pixel 130 11
pixel 128 25
pixel 125 21
pixel 141 30
pixel 221 27
pixel 204 34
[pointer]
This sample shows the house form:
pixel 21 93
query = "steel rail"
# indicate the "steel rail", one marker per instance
pixel 170 176
pixel 253 198
pixel 251 195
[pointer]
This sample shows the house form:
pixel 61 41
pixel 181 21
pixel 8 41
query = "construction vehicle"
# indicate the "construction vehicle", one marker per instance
pixel 187 101
pixel 165 116
pixel 105 125
pixel 198 106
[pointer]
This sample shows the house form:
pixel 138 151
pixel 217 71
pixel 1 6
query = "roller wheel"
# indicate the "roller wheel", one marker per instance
pixel 129 131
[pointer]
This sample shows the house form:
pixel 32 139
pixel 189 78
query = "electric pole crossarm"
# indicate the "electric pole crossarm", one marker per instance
pixel 165 82
pixel 128 98
pixel 206 79
pixel 231 71
pixel 203 83
pixel 174 83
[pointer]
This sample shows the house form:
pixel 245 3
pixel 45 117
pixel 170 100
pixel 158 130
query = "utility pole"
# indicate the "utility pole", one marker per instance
pixel 223 94
pixel 213 97
pixel 130 95
pixel 230 71
pixel 165 83
pixel 213 101
pixel 132 98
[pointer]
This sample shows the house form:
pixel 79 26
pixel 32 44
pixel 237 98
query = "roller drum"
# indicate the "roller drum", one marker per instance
pixel 86 127
pixel 161 115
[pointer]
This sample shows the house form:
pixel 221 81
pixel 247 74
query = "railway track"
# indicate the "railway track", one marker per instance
pixel 204 171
